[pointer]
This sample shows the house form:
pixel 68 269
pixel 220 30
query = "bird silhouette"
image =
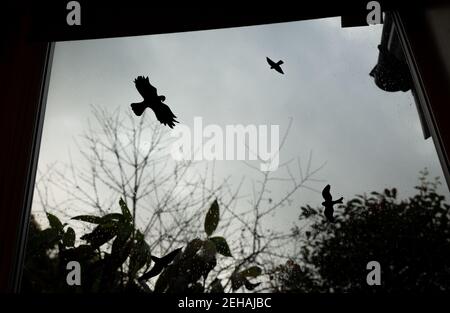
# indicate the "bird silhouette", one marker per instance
pixel 329 203
pixel 152 101
pixel 275 66
pixel 160 264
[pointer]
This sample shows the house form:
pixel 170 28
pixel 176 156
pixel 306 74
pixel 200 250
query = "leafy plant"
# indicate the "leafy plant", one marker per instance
pixel 410 239
pixel 197 260
pixel 115 257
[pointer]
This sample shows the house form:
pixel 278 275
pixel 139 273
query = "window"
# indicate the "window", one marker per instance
pixel 117 182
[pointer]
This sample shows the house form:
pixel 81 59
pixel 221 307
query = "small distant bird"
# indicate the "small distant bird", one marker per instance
pixel 152 101
pixel 329 203
pixel 275 66
pixel 160 264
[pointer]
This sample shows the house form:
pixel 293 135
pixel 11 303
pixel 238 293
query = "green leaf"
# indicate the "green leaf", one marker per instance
pixel 216 286
pixel 116 260
pixel 123 233
pixel 253 271
pixel 209 250
pixel 221 245
pixel 249 285
pixel 162 283
pixel 111 217
pixel 394 193
pixel 125 211
pixel 237 280
pixel 55 223
pixel 212 218
pixel 192 248
pixel 99 219
pixel 69 237
pixel 101 234
pixel 88 218
pixel 140 255
pixel 48 238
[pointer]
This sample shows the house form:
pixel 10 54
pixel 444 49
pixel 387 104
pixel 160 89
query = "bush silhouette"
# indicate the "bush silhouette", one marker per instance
pixel 116 258
pixel 409 238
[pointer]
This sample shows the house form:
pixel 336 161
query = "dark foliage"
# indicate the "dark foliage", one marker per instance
pixel 409 238
pixel 114 257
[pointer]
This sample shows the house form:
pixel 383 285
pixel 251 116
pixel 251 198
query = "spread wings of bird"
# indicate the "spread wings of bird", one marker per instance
pixel 276 66
pixel 326 193
pixel 271 63
pixel 152 101
pixel 146 90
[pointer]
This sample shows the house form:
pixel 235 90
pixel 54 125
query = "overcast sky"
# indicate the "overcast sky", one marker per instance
pixel 369 139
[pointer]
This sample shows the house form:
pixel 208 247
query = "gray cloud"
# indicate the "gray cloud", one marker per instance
pixel 370 139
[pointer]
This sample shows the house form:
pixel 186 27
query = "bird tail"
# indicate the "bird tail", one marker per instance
pixel 171 124
pixel 280 62
pixel 138 108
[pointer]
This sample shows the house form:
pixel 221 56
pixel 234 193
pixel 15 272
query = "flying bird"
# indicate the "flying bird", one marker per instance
pixel 275 66
pixel 329 203
pixel 160 264
pixel 152 101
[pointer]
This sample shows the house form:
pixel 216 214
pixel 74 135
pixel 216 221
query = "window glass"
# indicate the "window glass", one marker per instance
pixel 233 195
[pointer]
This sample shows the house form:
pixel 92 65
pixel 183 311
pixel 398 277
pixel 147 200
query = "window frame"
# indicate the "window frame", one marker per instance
pixel 18 180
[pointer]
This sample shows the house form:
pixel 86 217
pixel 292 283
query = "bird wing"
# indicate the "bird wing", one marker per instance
pixel 144 87
pixel 279 69
pixel 138 108
pixel 326 193
pixel 271 63
pixel 164 114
